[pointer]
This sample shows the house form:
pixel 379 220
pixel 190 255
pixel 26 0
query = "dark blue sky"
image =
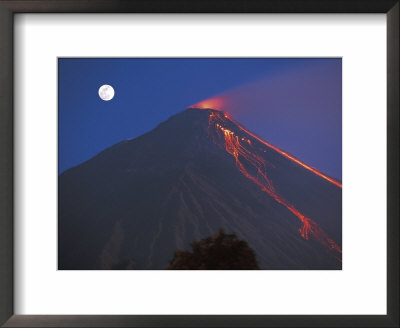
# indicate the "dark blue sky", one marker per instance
pixel 293 103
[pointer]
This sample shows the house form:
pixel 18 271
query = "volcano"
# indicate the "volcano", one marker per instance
pixel 132 205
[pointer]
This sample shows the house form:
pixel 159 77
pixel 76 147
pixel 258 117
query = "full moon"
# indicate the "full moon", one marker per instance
pixel 106 92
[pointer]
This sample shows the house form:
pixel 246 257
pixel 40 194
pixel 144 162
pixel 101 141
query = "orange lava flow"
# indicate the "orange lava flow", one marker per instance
pixel 234 147
pixel 294 159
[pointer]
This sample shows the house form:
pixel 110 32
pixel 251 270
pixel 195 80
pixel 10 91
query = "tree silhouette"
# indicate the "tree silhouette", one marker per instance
pixel 218 252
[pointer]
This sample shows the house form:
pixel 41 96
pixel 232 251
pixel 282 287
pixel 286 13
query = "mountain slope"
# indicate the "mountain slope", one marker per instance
pixel 136 202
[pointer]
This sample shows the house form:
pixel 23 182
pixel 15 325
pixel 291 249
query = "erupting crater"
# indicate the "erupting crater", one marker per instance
pixel 216 103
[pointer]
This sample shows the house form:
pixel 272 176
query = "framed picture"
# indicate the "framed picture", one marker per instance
pixel 199 164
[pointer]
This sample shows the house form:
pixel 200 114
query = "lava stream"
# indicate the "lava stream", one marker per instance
pixel 235 148
pixel 291 157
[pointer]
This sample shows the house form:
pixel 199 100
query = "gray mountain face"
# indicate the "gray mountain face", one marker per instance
pixel 135 203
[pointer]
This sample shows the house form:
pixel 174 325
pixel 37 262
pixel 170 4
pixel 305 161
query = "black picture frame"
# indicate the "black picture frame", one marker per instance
pixel 10 7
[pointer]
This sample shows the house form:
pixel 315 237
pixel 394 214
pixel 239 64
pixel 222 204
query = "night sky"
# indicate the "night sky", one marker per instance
pixel 295 104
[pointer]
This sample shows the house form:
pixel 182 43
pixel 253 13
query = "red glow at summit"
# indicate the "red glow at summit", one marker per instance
pixel 211 103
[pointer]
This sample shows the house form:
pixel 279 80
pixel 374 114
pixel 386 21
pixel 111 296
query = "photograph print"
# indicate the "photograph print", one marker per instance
pixel 199 164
